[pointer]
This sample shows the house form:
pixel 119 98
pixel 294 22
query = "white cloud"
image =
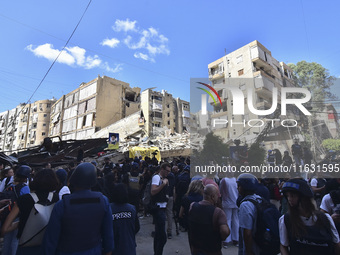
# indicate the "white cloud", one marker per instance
pixel 117 69
pixel 112 43
pixel 153 31
pixel 78 53
pixel 46 51
pixel 71 56
pixel 140 44
pixel 161 49
pixel 143 56
pixel 124 25
pixel 149 42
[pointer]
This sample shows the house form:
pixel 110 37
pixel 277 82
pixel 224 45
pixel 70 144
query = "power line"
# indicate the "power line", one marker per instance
pixel 98 53
pixel 49 69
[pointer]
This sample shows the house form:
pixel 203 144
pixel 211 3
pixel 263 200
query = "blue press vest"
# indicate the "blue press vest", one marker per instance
pixel 82 221
pixel 124 220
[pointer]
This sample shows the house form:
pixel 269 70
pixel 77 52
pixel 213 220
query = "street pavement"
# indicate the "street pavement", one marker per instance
pixel 177 245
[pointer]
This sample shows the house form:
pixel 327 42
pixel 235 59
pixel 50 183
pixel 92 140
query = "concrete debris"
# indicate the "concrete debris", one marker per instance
pixel 162 138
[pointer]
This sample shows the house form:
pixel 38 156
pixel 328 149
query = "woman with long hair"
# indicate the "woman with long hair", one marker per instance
pixel 194 194
pixel 45 182
pixel 305 230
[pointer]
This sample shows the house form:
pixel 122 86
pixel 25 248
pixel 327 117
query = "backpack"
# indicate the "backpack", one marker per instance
pixel 34 230
pixel 149 204
pixel 267 235
pixel 146 200
pixel 12 192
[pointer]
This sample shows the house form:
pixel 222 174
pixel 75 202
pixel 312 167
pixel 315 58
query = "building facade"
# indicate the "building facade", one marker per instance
pixel 93 106
pixel 25 126
pixel 250 67
pixel 161 109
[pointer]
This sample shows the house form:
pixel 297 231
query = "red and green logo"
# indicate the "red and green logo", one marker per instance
pixel 209 93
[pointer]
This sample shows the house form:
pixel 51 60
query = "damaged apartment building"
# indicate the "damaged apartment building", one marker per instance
pixel 25 126
pixel 251 67
pixel 93 106
pixel 161 109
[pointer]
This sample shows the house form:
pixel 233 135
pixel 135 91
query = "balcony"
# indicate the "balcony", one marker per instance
pixel 264 87
pixel 263 105
pixel 156 119
pixel 260 58
pixel 216 75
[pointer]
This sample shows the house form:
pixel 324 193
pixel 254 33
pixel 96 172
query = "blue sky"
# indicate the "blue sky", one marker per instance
pixel 152 43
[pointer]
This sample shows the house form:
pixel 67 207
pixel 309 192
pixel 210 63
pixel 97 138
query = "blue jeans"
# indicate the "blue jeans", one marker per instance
pixel 160 234
pixel 10 243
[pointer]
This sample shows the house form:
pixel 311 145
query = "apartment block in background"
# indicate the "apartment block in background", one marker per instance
pixel 93 106
pixel 241 67
pixel 25 126
pixel 161 109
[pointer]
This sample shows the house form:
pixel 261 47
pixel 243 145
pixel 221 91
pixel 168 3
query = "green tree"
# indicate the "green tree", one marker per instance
pixel 316 79
pixel 256 154
pixel 214 149
pixel 331 144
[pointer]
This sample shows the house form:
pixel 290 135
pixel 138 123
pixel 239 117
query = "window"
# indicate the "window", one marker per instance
pixel 168 114
pixel 48 105
pixel 43 133
pixel 229 74
pixel 168 106
pixel 44 125
pixel 240 72
pixel 45 115
pixel 234 132
pixel 239 59
pixel 168 122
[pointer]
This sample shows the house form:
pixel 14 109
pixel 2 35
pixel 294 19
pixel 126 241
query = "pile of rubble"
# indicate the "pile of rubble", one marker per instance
pixel 162 138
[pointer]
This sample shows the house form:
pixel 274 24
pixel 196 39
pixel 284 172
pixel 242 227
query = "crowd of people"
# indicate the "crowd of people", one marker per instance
pixel 88 208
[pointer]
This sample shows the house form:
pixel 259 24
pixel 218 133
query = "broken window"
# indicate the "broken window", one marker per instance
pixel 91 104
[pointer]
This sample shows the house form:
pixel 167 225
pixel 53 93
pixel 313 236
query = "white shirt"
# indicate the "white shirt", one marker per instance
pixel 310 222
pixel 314 182
pixel 64 190
pixel 2 185
pixel 229 192
pixel 156 180
pixel 327 204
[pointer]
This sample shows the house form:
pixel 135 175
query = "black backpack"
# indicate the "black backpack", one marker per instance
pixel 12 192
pixel 267 235
pixel 148 203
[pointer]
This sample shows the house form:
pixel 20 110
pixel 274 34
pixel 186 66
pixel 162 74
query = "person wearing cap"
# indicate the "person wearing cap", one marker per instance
pixel 247 185
pixel 304 229
pixel 82 222
pixel 20 188
pixel 63 188
pixel 125 221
